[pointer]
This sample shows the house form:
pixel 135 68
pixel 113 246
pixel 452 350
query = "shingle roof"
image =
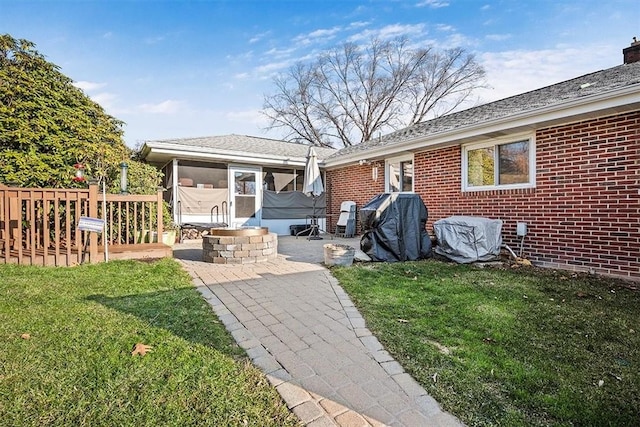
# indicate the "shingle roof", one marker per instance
pixel 245 145
pixel 596 83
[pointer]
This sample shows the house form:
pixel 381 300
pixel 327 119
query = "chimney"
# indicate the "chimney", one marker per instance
pixel 632 53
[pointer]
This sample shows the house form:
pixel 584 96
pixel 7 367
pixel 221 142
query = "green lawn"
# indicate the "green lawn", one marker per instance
pixel 508 347
pixel 76 367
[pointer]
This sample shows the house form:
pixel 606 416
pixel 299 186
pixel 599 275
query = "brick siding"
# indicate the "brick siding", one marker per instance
pixel 583 214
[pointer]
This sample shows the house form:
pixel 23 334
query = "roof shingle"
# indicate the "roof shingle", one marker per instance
pixel 590 84
pixel 248 145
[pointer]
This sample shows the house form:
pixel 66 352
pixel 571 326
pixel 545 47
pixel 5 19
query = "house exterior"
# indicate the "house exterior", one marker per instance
pixel 564 160
pixel 236 180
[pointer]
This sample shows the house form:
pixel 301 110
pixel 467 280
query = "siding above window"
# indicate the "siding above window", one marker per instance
pixel 503 164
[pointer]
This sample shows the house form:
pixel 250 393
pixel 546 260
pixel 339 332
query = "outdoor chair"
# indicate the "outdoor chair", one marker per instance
pixel 346 226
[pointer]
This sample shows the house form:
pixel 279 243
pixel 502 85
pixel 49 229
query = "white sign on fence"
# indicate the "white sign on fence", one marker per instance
pixel 87 223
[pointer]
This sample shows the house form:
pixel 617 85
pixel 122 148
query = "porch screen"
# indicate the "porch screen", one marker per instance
pixel 201 200
pixel 291 205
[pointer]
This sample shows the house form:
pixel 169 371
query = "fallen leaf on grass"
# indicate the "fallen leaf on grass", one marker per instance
pixel 489 340
pixel 435 377
pixel 25 336
pixel 600 383
pixel 141 349
pixel 403 321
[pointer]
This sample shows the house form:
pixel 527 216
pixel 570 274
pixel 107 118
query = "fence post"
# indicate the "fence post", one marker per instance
pixel 93 213
pixel 5 234
pixel 160 215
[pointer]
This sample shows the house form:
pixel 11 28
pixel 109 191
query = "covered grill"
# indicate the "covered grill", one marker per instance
pixel 393 227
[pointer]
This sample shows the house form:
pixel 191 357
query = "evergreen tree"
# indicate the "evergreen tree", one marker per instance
pixel 47 125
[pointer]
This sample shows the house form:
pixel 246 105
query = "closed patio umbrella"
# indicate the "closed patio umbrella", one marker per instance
pixel 312 180
pixel 313 187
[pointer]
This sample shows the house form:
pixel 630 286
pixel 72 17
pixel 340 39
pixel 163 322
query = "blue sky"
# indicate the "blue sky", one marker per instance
pixel 174 69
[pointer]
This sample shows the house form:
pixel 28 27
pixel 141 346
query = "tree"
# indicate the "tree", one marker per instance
pixel 352 93
pixel 47 125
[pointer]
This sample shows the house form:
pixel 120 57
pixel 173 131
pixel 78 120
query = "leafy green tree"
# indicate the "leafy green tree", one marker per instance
pixel 47 125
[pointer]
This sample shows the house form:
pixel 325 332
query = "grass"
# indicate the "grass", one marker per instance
pixel 508 347
pixel 76 367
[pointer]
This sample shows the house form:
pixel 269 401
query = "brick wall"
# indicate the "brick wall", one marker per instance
pixel 355 184
pixel 584 213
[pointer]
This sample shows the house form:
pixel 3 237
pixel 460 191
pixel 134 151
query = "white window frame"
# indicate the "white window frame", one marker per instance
pixel 397 159
pixel 495 143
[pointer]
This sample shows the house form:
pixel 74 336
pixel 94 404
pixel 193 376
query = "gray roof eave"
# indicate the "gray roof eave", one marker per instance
pixel 210 153
pixel 622 99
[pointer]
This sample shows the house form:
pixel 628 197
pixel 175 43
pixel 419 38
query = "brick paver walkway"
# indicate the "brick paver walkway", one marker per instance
pixel 298 325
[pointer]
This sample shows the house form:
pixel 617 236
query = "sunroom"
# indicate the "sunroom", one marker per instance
pixel 237 181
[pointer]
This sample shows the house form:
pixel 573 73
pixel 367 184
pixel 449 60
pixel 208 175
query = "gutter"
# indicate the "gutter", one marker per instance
pixel 207 153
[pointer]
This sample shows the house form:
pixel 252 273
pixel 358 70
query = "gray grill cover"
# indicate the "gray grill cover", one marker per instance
pixel 394 228
pixel 466 239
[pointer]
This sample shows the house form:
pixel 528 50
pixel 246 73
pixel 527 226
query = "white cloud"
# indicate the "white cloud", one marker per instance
pixel 280 53
pixel 241 57
pixel 457 40
pixel 88 86
pixel 323 33
pixel 169 106
pixel 517 71
pixel 269 69
pixel 358 24
pixel 254 117
pixel 154 39
pixel 497 37
pixel 390 31
pixel 435 4
pixel 258 37
pixel 445 27
pixel 317 36
pixel 106 101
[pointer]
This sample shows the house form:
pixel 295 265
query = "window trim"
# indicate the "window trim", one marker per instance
pixel 495 143
pixel 397 159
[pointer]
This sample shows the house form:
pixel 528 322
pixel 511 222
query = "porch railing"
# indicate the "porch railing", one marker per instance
pixel 40 226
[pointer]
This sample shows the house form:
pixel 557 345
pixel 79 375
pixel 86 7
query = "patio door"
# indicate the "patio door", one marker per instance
pixel 245 198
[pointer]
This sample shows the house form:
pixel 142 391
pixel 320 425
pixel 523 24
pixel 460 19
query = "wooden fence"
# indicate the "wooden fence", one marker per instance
pixel 40 226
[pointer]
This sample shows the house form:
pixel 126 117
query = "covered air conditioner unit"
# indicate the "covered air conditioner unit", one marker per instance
pixel 466 239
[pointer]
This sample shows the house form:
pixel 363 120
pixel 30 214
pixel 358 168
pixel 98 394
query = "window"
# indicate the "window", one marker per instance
pixel 499 165
pixel 282 179
pixel 399 174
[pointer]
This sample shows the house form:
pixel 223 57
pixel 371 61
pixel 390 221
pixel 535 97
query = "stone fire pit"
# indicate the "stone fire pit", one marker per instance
pixel 244 245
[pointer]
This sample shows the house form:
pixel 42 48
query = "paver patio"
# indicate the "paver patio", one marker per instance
pixel 298 325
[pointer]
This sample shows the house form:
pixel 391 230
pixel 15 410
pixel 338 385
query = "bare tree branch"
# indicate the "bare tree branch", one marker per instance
pixel 350 93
